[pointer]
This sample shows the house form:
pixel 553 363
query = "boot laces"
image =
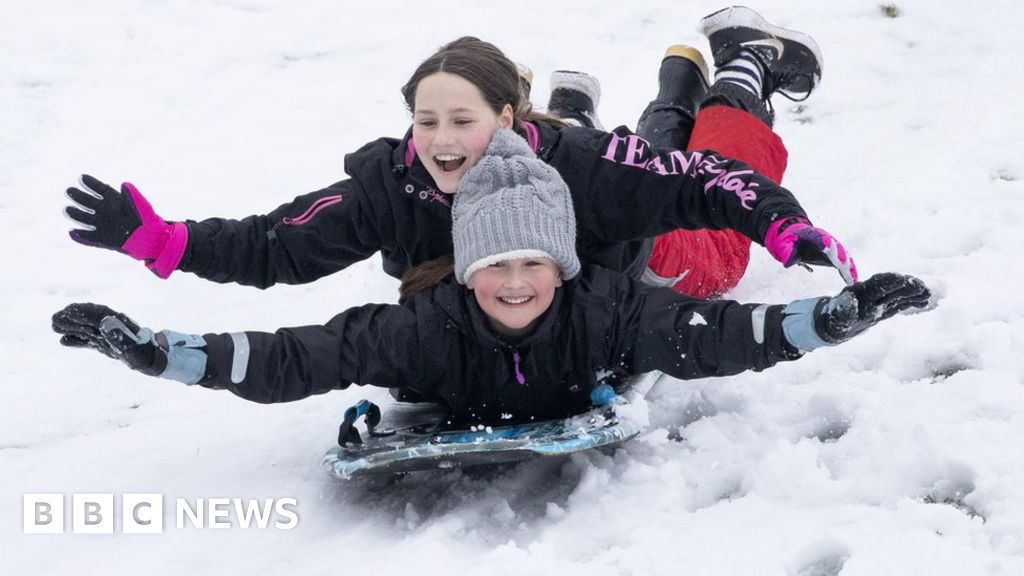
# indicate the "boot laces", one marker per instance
pixel 789 76
pixel 777 80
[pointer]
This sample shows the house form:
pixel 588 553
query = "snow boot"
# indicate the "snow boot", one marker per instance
pixel 791 60
pixel 574 98
pixel 683 74
pixel 682 85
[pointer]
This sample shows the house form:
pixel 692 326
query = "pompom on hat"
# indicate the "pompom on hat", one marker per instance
pixel 512 205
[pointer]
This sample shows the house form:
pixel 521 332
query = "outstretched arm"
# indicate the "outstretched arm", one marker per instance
pixel 372 344
pixel 314 235
pixel 625 189
pixel 690 338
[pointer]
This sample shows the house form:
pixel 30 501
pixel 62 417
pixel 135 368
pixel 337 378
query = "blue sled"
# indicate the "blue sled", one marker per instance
pixel 415 442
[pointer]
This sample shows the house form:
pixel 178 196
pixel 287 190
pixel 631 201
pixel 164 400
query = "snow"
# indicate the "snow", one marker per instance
pixel 897 452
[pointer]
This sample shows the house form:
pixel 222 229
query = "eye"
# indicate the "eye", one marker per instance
pixel 501 264
pixel 426 123
pixel 464 121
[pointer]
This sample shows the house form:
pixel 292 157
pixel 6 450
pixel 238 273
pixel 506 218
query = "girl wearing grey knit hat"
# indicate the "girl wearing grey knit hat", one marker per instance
pixel 520 334
pixel 514 231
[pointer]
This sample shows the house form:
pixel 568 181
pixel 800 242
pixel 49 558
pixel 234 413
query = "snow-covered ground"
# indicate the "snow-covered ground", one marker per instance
pixel 897 453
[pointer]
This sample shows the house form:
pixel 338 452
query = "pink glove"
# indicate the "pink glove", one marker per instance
pixel 125 221
pixel 794 240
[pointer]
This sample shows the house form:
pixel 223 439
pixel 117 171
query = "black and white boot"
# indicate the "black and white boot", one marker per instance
pixel 574 98
pixel 789 62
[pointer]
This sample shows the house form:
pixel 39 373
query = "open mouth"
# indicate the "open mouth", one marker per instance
pixel 515 301
pixel 449 162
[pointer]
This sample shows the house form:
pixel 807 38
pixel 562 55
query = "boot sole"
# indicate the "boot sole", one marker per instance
pixel 693 55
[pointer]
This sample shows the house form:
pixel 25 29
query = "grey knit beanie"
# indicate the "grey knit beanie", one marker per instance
pixel 512 205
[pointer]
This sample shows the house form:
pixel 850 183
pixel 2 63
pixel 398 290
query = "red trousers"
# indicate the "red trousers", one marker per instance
pixel 711 262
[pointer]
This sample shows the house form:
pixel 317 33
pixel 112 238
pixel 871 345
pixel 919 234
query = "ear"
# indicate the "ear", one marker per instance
pixel 469 282
pixel 558 281
pixel 507 117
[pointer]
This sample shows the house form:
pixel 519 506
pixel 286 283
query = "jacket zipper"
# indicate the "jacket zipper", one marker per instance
pixel 519 373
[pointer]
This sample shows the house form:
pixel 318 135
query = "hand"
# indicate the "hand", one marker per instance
pixel 125 221
pixel 794 240
pixel 166 354
pixel 816 322
pixel 112 333
pixel 864 304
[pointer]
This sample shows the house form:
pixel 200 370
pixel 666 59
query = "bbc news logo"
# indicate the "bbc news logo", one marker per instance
pixel 144 513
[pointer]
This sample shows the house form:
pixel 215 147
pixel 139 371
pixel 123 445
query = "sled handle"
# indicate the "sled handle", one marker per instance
pixel 603 395
pixel 347 433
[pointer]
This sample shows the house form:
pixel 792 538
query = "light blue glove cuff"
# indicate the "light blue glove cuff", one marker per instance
pixel 185 361
pixel 798 325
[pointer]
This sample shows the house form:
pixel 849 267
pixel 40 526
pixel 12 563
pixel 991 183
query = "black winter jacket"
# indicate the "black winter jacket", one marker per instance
pixel 439 344
pixel 623 192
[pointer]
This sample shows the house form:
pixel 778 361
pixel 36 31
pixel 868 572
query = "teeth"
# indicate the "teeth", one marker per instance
pixel 447 157
pixel 518 300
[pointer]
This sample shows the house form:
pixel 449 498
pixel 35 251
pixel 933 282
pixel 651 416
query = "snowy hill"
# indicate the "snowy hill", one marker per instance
pixel 897 453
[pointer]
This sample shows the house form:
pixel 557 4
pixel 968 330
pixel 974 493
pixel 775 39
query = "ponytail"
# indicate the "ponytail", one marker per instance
pixel 424 277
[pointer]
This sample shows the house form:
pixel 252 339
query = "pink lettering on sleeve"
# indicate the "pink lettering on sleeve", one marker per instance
pixel 636 146
pixel 613 147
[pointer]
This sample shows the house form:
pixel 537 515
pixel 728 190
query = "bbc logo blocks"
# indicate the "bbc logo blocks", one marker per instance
pixel 93 513
pixel 43 514
pixel 144 513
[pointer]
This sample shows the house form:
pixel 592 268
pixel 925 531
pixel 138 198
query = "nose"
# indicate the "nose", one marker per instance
pixel 444 134
pixel 515 278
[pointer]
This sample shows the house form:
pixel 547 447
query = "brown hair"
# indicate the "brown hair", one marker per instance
pixel 425 276
pixel 486 67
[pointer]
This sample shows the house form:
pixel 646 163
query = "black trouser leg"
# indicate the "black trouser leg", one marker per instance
pixel 733 96
pixel 668 120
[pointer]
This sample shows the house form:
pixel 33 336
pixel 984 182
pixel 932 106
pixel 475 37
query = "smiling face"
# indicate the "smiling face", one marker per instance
pixel 515 293
pixel 452 126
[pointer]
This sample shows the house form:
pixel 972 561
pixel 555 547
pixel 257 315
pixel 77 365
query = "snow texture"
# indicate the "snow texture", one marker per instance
pixel 897 453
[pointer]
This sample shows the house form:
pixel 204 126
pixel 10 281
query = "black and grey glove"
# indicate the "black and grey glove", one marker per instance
pixel 816 322
pixel 165 354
